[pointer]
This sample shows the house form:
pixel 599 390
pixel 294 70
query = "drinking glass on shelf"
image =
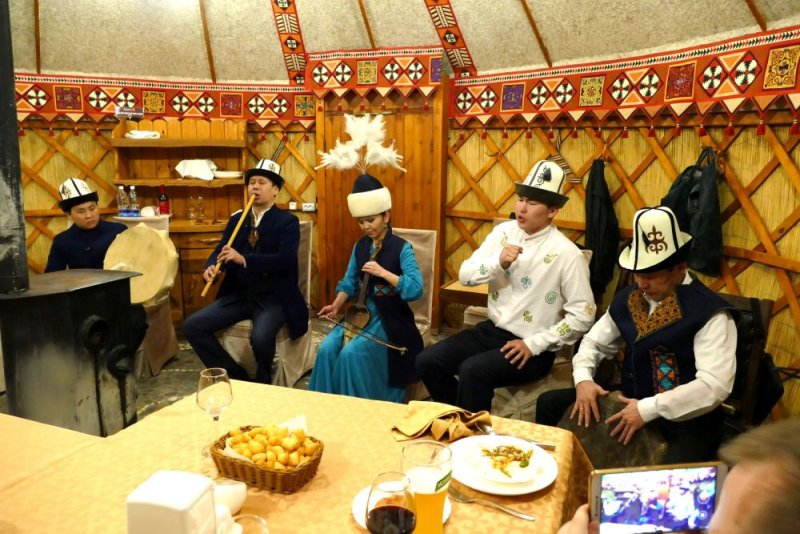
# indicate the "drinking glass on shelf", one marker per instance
pixel 191 210
pixel 390 505
pixel 428 465
pixel 200 210
pixel 214 394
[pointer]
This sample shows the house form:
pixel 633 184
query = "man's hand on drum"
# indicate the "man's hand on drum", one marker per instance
pixel 586 393
pixel 628 420
pixel 509 255
pixel 229 254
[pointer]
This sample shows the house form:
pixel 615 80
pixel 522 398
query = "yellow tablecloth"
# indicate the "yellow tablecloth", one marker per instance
pixel 85 491
pixel 28 447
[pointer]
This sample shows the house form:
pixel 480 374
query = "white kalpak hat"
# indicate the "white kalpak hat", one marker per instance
pixel 544 184
pixel 268 169
pixel 369 197
pixel 75 191
pixel 658 242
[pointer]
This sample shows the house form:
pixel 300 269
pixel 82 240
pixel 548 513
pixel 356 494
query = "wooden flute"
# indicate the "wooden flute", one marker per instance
pixel 230 242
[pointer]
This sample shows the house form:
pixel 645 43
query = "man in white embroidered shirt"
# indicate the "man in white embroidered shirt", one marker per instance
pixel 680 349
pixel 539 300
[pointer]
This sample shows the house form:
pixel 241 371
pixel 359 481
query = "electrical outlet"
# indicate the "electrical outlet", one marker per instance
pixel 309 206
pixel 292 206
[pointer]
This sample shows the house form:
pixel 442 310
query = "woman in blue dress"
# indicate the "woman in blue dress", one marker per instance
pixel 362 367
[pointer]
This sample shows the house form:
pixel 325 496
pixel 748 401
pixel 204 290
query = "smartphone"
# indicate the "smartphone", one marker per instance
pixel 662 498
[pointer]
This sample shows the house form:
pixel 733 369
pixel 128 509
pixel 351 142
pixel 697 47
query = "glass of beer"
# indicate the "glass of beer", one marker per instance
pixel 428 465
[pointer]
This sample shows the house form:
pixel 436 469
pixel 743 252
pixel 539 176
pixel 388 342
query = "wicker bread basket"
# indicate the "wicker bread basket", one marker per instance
pixel 277 480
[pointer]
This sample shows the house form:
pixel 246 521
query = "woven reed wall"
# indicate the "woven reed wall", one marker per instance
pixel 759 200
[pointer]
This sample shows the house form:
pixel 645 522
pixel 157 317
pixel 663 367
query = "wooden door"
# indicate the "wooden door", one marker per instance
pixel 417 194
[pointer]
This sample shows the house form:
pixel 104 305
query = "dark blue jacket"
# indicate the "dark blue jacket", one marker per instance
pixel 75 248
pixel 271 271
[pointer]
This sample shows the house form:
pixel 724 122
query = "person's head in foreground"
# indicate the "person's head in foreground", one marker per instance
pixel 264 182
pixel 79 203
pixel 762 491
pixel 657 255
pixel 539 196
pixel 370 203
pixel 760 494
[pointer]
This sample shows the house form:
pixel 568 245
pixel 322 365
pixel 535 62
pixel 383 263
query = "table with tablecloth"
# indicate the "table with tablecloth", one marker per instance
pixel 85 490
pixel 28 447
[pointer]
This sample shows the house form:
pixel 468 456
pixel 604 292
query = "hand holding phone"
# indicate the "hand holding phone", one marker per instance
pixel 666 498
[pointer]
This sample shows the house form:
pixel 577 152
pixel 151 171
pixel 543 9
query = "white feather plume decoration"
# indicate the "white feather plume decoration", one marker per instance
pixel 365 147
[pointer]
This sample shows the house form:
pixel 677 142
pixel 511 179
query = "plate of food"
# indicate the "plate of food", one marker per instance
pixel 502 465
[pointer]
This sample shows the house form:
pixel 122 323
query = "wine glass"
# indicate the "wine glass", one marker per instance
pixel 390 505
pixel 214 394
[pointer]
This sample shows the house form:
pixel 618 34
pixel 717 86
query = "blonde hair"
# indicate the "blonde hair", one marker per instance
pixel 776 445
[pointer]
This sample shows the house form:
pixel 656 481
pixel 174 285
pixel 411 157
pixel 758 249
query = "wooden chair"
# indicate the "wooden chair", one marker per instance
pixel 752 325
pixel 424 243
pixel 293 358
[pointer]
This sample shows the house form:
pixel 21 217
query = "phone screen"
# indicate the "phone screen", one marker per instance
pixel 663 500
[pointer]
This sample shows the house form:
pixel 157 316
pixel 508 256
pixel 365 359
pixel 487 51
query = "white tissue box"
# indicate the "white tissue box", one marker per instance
pixel 172 502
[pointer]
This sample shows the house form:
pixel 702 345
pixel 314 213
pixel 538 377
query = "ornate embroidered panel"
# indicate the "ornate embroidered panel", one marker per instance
pixel 77 97
pixel 667 313
pixel 758 68
pixel 390 69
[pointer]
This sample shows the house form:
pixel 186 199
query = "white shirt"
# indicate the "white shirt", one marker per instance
pixel 714 356
pixel 544 297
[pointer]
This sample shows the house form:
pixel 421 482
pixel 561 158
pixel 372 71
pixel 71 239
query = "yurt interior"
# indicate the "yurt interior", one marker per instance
pixel 258 253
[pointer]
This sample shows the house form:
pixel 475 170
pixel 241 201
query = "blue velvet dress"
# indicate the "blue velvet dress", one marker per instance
pixel 360 368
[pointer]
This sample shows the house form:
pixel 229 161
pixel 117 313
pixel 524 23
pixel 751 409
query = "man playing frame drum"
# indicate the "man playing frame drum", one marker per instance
pixel 680 349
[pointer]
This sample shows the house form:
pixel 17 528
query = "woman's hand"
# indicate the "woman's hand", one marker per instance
pixel 374 268
pixel 328 311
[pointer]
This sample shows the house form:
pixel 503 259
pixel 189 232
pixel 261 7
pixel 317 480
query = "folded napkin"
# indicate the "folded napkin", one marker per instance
pixel 444 422
pixel 196 168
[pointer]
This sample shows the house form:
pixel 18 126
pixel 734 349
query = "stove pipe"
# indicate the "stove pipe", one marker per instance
pixel 13 251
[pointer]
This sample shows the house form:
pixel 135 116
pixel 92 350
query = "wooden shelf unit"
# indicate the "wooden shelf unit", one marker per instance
pixel 150 163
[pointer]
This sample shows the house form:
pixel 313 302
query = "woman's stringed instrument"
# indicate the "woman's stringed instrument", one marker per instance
pixel 357 316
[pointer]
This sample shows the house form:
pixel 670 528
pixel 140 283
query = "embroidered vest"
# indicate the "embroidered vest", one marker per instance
pixel 395 314
pixel 660 347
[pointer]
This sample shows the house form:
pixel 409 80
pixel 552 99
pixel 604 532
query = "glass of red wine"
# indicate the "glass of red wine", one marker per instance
pixel 390 505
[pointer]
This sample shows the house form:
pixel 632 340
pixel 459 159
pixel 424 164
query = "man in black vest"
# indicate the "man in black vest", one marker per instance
pixel 680 349
pixel 260 280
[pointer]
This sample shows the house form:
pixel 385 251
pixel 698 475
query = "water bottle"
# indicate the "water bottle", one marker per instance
pixel 133 203
pixel 123 205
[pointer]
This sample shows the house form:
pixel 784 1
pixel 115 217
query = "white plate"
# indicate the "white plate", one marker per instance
pixel 360 508
pixel 227 174
pixel 481 464
pixel 544 467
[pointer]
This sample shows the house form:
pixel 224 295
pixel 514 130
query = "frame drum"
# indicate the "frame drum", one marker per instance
pixel 149 252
